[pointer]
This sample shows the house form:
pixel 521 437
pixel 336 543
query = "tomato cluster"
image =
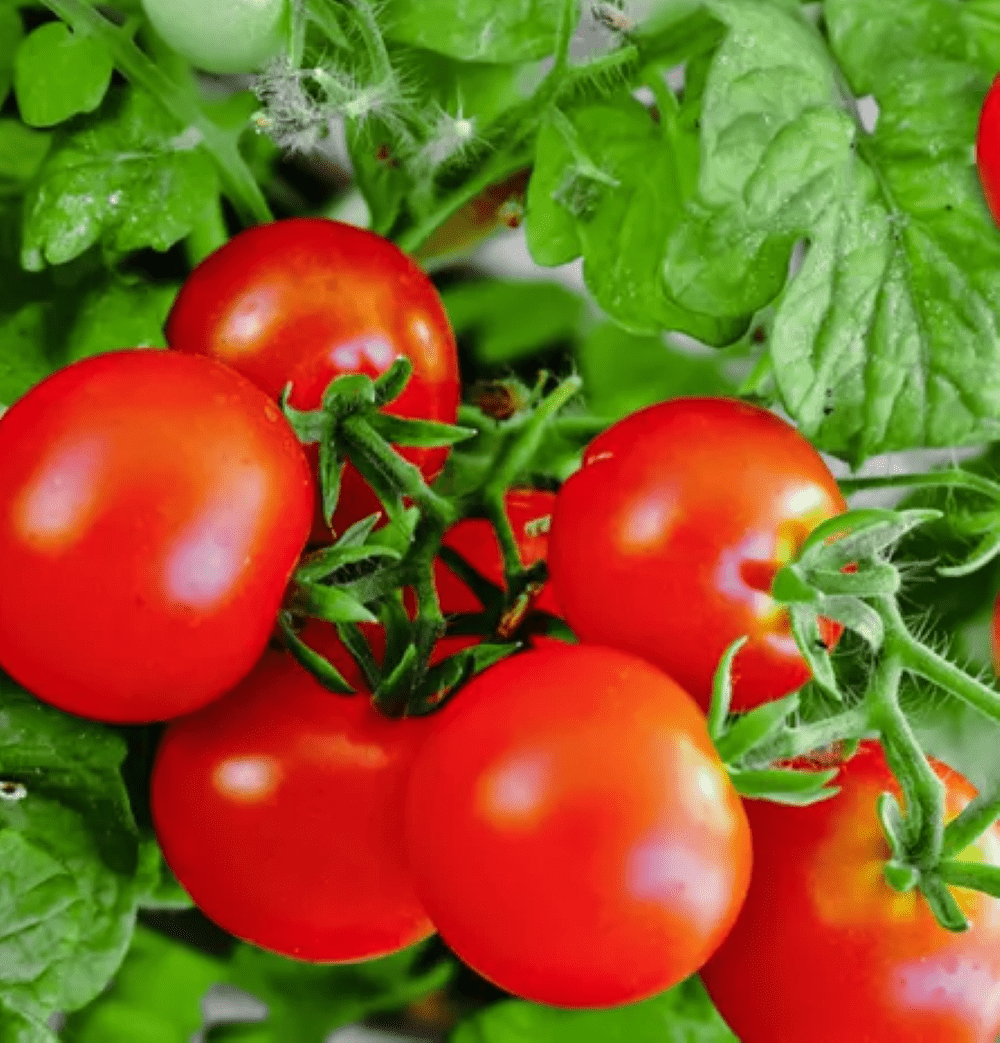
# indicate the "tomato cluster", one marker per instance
pixel 565 821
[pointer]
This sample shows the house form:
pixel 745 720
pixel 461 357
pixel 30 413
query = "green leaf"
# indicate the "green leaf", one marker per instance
pixel 156 996
pixel 22 151
pixel 11 35
pixel 128 178
pixel 887 337
pixel 476 30
pixel 120 315
pixel 59 74
pixel 68 857
pixel 623 372
pixel 547 313
pixel 307 1002
pixel 622 179
pixel 682 1015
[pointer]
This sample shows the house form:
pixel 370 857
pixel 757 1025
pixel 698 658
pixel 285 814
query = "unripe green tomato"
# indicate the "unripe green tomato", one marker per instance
pixel 222 36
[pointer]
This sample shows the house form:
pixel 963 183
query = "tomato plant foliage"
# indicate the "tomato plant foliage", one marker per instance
pixel 804 190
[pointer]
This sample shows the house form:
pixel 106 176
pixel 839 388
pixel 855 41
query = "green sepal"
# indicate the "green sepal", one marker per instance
pixel 784 785
pixel 393 691
pixel 790 587
pixel 984 553
pixel 311 425
pixel 979 876
pixel 901 876
pixel 856 615
pixel 753 728
pixel 332 604
pixel 423 434
pixel 355 643
pixel 871 580
pixel 943 903
pixel 348 394
pixel 319 666
pixel 805 628
pixel 866 533
pixel 331 472
pixel 447 678
pixel 894 825
pixel 322 564
pixel 722 690
pixel 359 532
pixel 391 384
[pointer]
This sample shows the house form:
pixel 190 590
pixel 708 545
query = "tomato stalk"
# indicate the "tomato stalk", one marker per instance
pixel 922 846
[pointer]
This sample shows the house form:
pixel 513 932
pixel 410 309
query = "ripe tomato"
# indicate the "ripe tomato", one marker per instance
pixel 280 809
pixel 306 300
pixel 665 543
pixel 571 830
pixel 224 36
pixel 988 149
pixel 824 949
pixel 152 509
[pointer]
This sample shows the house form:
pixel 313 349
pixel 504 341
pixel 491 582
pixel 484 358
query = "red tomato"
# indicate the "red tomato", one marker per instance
pixel 825 950
pixel 571 830
pixel 280 810
pixel 665 543
pixel 152 509
pixel 306 300
pixel 988 149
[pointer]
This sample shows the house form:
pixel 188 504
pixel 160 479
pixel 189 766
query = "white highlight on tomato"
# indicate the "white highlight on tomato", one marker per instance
pixel 646 522
pixel 514 792
pixel 213 549
pixel 53 509
pixel 248 779
pixel 351 356
pixel 668 872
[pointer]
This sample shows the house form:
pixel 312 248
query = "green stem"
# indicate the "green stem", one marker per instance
pixel 521 452
pixel 500 166
pixel 238 182
pixel 513 567
pixel 919 659
pixel 922 790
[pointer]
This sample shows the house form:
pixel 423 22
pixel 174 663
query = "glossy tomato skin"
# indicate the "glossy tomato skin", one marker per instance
pixel 824 949
pixel 988 149
pixel 280 809
pixel 666 541
pixel 222 36
pixel 306 300
pixel 152 509
pixel 571 831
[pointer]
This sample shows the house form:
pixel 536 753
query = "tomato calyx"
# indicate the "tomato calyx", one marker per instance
pixel 842 572
pixel 358 582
